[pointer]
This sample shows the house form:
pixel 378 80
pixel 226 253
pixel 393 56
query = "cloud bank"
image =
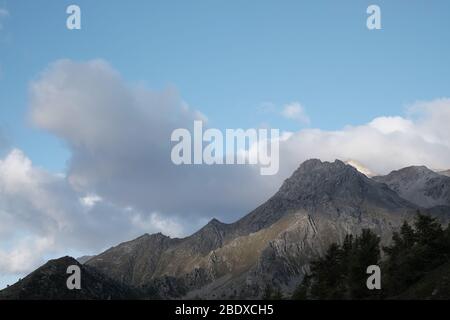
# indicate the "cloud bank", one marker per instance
pixel 422 137
pixel 119 137
pixel 42 216
pixel 120 181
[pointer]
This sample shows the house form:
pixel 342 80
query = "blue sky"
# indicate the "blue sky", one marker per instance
pixel 240 63
pixel 227 58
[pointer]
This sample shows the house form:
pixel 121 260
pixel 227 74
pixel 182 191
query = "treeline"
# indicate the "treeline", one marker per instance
pixel 414 252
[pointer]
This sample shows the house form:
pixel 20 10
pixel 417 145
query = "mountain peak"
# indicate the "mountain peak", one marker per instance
pixel 49 282
pixel 314 164
pixel 147 236
pixel 214 226
pixel 319 204
pixel 314 177
pixel 316 185
pixel 215 222
pixel 420 185
pixel 411 174
pixel 422 170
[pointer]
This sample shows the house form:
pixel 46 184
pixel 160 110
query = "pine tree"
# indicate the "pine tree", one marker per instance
pixel 414 252
pixel 341 272
pixel 302 290
pixel 365 252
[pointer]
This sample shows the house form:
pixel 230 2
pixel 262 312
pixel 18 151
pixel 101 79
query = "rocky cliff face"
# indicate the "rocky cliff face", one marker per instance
pixel 419 185
pixel 319 204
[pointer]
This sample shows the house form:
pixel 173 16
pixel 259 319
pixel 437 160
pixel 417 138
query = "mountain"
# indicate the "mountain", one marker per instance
pixel 320 203
pixel 49 282
pixel 445 173
pixel 272 245
pixel 84 259
pixel 360 167
pixel 419 185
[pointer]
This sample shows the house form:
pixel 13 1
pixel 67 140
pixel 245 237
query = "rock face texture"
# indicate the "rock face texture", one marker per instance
pixel 319 204
pixel 419 185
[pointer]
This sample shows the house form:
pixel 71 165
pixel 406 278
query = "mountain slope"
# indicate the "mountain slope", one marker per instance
pixel 419 185
pixel 445 173
pixel 84 259
pixel 319 204
pixel 49 282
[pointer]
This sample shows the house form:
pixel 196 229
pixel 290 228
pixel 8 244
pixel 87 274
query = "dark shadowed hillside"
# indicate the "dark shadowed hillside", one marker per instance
pixel 49 282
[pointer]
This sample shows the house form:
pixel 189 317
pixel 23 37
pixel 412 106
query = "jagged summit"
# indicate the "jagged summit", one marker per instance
pixel 215 222
pixel 212 229
pixel 313 175
pixel 331 189
pixel 158 235
pixel 317 167
pixel 317 164
pixel 145 238
pixel 316 184
pixel 319 204
pixel 412 172
pixel 419 185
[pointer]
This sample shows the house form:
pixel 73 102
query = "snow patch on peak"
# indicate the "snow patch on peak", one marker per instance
pixel 361 168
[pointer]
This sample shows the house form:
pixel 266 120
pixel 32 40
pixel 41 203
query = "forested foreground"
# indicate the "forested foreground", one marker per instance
pixel 416 265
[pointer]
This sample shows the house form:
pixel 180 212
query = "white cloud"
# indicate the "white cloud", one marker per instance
pixel 388 125
pixel 360 167
pixel 169 227
pixel 25 254
pixel 384 144
pixel 42 217
pixel 121 182
pixel 432 120
pixel 295 111
pixel 90 200
pixel 119 136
